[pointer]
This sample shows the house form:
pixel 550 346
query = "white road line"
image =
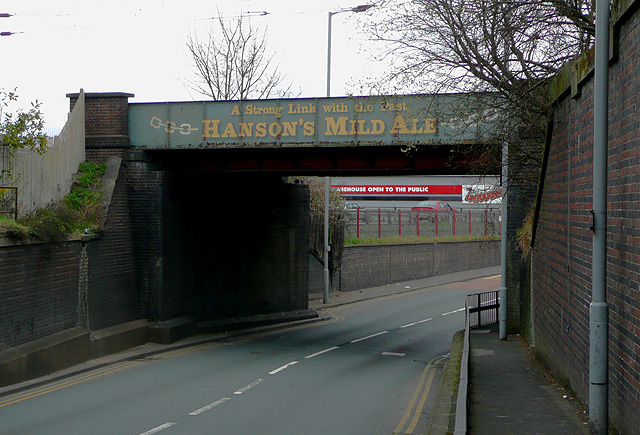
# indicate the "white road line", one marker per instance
pixel 454 311
pixel 286 366
pixel 368 337
pixel 208 407
pixel 416 323
pixel 248 387
pixel 158 429
pixel 313 355
pixel 392 354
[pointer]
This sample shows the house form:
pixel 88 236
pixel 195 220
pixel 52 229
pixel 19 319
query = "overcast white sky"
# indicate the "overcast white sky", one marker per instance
pixel 138 46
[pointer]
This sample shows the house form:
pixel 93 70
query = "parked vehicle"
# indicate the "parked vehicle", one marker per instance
pixel 432 205
pixel 352 206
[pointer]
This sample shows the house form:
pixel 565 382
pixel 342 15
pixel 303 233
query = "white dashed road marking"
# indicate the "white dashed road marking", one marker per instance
pixel 313 355
pixel 248 387
pixel 208 407
pixel 368 337
pixel 286 366
pixel 158 429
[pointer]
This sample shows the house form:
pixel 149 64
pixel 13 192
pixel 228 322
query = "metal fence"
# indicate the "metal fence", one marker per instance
pixel 381 223
pixel 483 308
pixel 38 180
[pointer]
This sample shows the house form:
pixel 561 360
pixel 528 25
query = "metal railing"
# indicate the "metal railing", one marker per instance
pixel 483 308
pixel 480 309
pixel 381 223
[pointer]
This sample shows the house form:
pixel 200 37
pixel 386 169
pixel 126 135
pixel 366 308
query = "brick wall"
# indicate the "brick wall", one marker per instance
pixel 145 186
pixel 46 288
pixel 112 286
pixel 370 266
pixel 38 291
pixel 562 257
pixel 106 124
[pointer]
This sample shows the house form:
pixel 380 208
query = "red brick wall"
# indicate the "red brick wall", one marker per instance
pixel 106 124
pixel 562 258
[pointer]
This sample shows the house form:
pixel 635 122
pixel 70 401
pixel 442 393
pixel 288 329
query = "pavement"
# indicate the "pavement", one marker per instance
pixel 509 391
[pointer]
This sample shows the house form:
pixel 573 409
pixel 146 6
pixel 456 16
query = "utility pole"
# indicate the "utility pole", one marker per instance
pixel 327 180
pixel 502 310
pixel 599 309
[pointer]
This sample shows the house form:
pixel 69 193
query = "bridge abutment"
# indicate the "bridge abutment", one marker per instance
pixel 207 245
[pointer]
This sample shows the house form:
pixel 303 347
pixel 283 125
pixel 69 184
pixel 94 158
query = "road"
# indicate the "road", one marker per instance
pixel 374 368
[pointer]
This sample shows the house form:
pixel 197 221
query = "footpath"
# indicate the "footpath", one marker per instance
pixel 509 392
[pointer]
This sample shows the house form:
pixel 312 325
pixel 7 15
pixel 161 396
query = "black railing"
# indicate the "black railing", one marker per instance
pixel 483 308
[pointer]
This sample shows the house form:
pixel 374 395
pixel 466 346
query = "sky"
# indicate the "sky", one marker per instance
pixel 139 47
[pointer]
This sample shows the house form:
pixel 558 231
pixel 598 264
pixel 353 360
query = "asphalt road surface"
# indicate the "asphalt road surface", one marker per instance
pixel 374 368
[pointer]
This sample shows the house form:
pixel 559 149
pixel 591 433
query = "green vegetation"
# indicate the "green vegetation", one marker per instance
pixel 84 191
pixel 20 130
pixel 79 211
pixel 415 239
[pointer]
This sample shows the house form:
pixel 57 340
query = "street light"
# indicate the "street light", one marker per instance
pixel 360 8
pixel 327 182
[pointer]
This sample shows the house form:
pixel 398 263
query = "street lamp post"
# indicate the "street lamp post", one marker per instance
pixel 327 182
pixel 360 8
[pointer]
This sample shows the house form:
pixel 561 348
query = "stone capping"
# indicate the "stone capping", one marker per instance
pixel 571 76
pixel 75 237
pixel 101 95
pixel 108 182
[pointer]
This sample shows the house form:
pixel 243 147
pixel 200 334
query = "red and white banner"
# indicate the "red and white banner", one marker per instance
pixel 482 194
pixel 432 189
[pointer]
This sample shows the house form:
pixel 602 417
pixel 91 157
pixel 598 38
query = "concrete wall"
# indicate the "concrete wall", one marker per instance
pixel 366 266
pixel 562 255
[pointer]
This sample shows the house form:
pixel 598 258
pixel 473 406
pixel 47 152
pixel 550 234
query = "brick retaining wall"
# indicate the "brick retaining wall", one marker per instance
pixel 562 256
pixel 38 291
pixel 366 266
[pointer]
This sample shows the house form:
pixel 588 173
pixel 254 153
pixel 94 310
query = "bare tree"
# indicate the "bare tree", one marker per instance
pixel 232 63
pixel 509 47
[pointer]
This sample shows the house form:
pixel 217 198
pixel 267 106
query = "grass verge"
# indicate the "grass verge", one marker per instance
pixel 415 239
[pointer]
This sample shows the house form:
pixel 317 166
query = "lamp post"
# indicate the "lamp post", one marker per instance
pixel 599 308
pixel 360 8
pixel 327 182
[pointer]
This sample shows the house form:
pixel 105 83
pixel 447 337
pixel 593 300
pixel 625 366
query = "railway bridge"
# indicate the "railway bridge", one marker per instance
pixel 218 229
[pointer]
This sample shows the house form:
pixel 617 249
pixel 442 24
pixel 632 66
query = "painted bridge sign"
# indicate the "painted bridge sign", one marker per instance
pixel 308 122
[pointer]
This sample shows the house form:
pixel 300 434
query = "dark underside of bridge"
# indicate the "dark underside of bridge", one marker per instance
pixel 224 235
pixel 377 160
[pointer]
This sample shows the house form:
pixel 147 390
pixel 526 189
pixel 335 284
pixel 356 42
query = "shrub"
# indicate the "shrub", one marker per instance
pixel 79 211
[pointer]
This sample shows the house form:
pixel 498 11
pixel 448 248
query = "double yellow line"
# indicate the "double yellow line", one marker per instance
pixel 422 392
pixel 96 374
pixel 65 384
